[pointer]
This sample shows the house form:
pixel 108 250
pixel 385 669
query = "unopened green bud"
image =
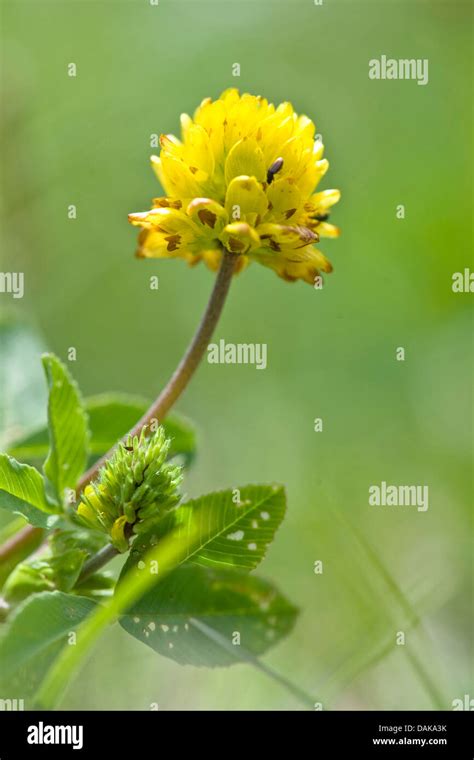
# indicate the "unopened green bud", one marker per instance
pixel 135 488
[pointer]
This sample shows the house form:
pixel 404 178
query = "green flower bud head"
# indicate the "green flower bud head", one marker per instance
pixel 135 488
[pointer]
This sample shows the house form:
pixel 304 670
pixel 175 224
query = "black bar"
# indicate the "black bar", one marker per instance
pixel 313 734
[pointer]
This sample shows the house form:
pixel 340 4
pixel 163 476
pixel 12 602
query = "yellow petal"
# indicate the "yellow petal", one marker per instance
pixel 305 129
pixel 245 158
pixel 324 200
pixel 172 145
pixel 282 236
pixel 172 220
pixel 229 96
pixel 285 110
pixel 246 200
pixel 153 246
pixel 318 150
pixel 243 118
pixel 168 219
pixel 239 237
pixel 197 152
pixel 208 215
pixel 88 514
pixel 158 169
pixel 328 230
pixel 290 151
pixel 305 264
pixel 276 131
pixel 179 180
pixel 284 199
pixel 167 233
pixel 311 175
pixel 141 219
pixel 117 534
pixel 186 123
pixel 212 258
pixel 211 116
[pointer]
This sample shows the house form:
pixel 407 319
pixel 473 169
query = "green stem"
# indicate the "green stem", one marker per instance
pixel 96 562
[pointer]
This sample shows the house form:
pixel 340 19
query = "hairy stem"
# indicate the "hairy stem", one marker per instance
pixel 170 393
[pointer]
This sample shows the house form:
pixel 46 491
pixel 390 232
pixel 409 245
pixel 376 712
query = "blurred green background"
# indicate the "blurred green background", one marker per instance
pixel 331 353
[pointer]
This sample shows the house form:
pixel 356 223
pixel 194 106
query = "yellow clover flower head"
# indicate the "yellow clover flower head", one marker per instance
pixel 241 178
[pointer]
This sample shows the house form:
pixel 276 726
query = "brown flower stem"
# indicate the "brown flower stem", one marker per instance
pixel 173 389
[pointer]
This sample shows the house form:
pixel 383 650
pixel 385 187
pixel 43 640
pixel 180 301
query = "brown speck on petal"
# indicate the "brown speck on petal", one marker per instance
pixel 275 246
pixel 173 242
pixel 167 203
pixel 193 169
pixel 207 217
pixel 290 212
